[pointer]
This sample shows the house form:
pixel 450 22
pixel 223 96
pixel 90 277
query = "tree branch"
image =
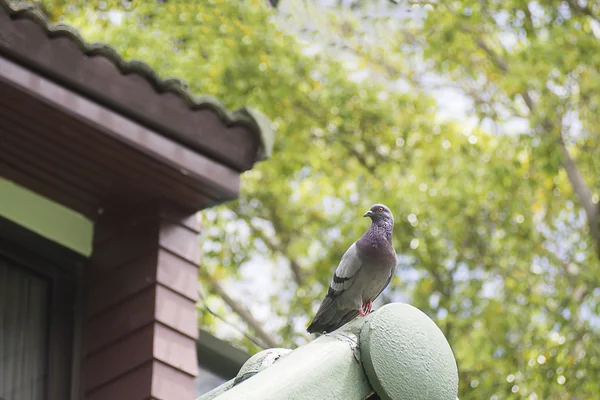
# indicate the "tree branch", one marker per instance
pixel 498 61
pixel 581 189
pixel 226 322
pixel 296 269
pixel 496 58
pixel 361 159
pixel 528 25
pixel 578 183
pixel 241 311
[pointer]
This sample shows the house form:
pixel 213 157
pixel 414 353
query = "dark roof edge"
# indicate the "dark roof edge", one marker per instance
pixel 250 118
pixel 224 358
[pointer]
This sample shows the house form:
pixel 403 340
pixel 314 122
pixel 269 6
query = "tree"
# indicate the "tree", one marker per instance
pixel 495 230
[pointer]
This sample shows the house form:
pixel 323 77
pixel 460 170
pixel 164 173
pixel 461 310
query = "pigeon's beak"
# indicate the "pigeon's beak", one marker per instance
pixel 368 213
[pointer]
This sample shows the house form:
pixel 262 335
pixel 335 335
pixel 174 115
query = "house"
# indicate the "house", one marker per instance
pixel 102 168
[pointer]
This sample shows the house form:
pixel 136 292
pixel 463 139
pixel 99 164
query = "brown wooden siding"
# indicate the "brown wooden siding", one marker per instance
pixel 171 347
pixel 140 313
pixel 121 320
pixel 176 311
pixel 121 283
pixel 171 383
pixel 119 358
pixel 178 274
pixel 137 384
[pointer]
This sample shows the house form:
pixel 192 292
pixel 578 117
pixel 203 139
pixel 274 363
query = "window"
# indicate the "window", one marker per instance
pixel 218 362
pixel 38 315
pixel 23 337
pixel 207 380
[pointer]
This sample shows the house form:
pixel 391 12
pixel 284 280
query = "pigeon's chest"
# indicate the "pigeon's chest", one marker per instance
pixel 376 252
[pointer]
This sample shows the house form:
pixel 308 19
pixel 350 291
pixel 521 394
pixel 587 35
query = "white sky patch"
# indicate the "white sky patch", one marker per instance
pixel 115 16
pixel 359 76
pixel 508 40
pixel 595 25
pixel 260 280
pixel 312 50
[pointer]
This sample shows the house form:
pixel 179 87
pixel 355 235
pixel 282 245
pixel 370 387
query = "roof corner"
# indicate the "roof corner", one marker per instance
pixel 263 126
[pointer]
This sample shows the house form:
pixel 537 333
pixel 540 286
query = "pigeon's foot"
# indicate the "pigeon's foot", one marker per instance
pixel 366 308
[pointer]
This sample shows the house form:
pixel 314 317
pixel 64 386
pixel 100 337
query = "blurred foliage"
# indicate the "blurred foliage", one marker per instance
pixel 494 243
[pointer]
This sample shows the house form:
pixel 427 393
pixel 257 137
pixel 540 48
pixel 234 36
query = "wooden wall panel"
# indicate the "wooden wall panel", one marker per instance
pixel 171 347
pixel 141 292
pixel 176 311
pixel 119 322
pixel 179 275
pixel 124 282
pixel 172 214
pixel 119 359
pixel 135 385
pixel 170 383
pixel 180 241
pixel 116 224
pixel 129 244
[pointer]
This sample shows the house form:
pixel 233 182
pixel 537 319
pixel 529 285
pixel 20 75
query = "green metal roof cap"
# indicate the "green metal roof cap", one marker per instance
pixel 406 356
pixel 397 352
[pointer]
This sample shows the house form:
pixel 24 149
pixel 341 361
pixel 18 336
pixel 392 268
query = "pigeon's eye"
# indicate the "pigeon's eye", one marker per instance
pixel 380 209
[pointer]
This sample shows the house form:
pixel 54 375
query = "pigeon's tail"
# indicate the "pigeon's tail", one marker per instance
pixel 331 319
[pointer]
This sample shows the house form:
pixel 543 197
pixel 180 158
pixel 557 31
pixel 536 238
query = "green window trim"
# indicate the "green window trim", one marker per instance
pixel 46 217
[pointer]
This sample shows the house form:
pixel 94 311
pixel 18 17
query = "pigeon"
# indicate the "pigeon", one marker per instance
pixel 364 271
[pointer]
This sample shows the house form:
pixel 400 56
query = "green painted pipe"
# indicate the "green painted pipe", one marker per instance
pixel 397 351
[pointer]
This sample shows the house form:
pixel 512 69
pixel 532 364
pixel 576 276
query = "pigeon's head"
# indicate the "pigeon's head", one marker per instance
pixel 379 213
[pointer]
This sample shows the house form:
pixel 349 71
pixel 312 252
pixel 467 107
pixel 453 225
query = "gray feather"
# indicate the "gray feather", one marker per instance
pixel 346 271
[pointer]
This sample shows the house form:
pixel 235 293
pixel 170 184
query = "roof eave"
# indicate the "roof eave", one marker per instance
pixel 181 115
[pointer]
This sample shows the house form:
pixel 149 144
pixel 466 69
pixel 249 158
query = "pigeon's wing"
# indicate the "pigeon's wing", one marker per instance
pixel 344 274
pixel 343 277
pixel 389 279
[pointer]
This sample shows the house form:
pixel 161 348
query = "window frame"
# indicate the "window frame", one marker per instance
pixel 63 269
pixel 218 358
